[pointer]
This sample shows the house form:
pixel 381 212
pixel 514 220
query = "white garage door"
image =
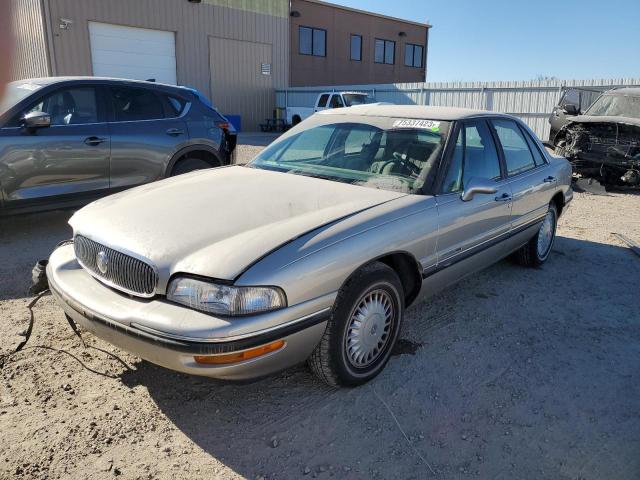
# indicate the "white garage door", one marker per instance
pixel 137 53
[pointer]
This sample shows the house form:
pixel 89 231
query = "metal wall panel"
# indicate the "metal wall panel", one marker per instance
pixel 236 67
pixel 30 53
pixel 194 24
pixel 532 101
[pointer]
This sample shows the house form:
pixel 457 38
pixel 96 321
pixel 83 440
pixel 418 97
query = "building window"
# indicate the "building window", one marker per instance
pixel 356 47
pixel 385 51
pixel 413 55
pixel 312 41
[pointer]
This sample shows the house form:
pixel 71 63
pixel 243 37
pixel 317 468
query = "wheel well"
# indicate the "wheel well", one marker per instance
pixel 407 269
pixel 296 119
pixel 204 155
pixel 558 199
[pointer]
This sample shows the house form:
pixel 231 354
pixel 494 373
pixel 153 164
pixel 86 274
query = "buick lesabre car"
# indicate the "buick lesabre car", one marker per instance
pixel 314 249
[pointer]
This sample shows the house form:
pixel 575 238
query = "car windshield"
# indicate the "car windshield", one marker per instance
pixel 351 99
pixel 388 154
pixel 15 92
pixel 616 106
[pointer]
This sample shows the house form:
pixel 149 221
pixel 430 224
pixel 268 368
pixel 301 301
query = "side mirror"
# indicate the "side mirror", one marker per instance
pixel 571 109
pixel 477 185
pixel 36 120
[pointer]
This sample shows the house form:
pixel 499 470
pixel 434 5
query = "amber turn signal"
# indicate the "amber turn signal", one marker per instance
pixel 236 357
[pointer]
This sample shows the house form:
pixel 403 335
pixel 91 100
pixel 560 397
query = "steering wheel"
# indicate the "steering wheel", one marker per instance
pixel 399 158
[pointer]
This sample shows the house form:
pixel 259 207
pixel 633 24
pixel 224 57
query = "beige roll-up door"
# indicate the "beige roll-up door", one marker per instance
pixel 241 80
pixel 131 52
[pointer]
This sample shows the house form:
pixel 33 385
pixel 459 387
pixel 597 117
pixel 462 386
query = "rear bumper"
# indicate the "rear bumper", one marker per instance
pixel 140 326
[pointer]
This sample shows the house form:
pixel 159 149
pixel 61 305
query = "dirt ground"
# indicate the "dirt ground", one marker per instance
pixel 512 373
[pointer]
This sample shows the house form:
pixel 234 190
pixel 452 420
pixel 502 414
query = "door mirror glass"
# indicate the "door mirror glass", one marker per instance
pixel 571 109
pixel 36 120
pixel 477 185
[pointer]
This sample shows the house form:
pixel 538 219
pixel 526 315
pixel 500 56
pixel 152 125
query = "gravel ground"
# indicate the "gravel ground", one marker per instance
pixel 512 373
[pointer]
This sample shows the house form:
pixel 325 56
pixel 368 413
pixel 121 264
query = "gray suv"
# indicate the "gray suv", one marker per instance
pixel 66 141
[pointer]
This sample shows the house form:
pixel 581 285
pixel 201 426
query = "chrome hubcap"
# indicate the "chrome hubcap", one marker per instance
pixel 545 235
pixel 369 328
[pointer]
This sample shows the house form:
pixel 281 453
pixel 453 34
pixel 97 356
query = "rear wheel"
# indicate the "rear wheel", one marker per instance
pixel 537 250
pixel 363 328
pixel 187 165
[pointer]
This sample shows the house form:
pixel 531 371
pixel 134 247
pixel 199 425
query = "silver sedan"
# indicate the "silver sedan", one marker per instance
pixel 314 249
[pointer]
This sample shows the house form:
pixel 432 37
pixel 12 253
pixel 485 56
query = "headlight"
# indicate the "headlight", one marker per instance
pixel 225 299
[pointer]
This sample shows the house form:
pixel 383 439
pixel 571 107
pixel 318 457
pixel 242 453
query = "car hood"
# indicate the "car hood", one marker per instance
pixel 217 222
pixel 604 119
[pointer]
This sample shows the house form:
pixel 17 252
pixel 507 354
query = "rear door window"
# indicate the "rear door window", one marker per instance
pixel 136 104
pixel 174 106
pixel 323 100
pixel 517 155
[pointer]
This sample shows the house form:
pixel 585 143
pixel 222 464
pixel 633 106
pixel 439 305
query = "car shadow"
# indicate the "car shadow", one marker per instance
pixel 290 424
pixel 24 240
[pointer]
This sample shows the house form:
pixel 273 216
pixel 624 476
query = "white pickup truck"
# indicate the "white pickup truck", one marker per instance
pixel 325 100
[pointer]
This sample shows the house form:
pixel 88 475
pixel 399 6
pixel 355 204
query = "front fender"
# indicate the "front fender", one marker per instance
pixel 318 263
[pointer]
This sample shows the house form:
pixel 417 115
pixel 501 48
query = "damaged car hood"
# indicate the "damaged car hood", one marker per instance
pixel 604 119
pixel 216 223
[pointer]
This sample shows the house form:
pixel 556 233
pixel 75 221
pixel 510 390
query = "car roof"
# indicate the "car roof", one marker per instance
pixel 411 111
pixel 633 91
pixel 51 80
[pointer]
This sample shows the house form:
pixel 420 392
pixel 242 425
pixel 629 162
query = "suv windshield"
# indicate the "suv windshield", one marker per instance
pixel 383 153
pixel 15 92
pixel 616 106
pixel 351 99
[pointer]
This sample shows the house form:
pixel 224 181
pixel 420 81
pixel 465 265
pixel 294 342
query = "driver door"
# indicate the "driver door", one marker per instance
pixel 66 159
pixel 468 227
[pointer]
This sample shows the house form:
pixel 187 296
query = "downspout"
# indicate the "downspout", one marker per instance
pixel 48 27
pixel 426 50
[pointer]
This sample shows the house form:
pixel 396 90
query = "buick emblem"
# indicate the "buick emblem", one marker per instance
pixel 102 262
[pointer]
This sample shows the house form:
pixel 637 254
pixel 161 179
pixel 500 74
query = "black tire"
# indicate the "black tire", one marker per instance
pixel 529 255
pixel 330 361
pixel 295 120
pixel 187 165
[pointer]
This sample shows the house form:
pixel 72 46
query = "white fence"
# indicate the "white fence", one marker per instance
pixel 532 101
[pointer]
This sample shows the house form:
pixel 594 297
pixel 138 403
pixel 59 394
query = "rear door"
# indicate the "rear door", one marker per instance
pixel 144 135
pixel 467 227
pixel 68 159
pixel 527 173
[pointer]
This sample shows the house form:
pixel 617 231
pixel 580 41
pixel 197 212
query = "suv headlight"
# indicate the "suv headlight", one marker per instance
pixel 224 299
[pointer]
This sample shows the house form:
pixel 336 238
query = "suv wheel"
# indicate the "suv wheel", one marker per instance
pixel 187 165
pixel 537 250
pixel 363 328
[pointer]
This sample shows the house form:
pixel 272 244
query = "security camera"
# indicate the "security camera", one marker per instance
pixel 65 23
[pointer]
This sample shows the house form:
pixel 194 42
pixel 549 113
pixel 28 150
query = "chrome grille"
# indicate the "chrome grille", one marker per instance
pixel 123 272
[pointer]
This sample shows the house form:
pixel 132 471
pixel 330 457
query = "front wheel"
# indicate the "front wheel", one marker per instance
pixel 537 250
pixel 363 328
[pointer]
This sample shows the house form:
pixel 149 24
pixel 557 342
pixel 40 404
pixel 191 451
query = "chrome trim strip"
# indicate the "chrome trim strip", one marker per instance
pixel 173 336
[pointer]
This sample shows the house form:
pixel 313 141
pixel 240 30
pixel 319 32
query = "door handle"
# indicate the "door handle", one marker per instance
pixel 549 179
pixel 94 141
pixel 174 132
pixel 505 197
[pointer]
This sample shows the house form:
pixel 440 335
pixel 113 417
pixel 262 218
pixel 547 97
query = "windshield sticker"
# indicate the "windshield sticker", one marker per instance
pixel 29 86
pixel 413 123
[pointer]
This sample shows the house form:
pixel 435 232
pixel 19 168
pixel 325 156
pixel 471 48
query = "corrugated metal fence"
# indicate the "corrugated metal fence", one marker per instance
pixel 532 101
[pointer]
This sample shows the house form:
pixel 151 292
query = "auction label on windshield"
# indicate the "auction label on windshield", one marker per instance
pixel 414 123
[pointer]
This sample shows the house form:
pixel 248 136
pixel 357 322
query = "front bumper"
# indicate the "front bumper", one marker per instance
pixel 170 335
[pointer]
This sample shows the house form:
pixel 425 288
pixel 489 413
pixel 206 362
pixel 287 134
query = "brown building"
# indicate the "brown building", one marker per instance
pixel 335 45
